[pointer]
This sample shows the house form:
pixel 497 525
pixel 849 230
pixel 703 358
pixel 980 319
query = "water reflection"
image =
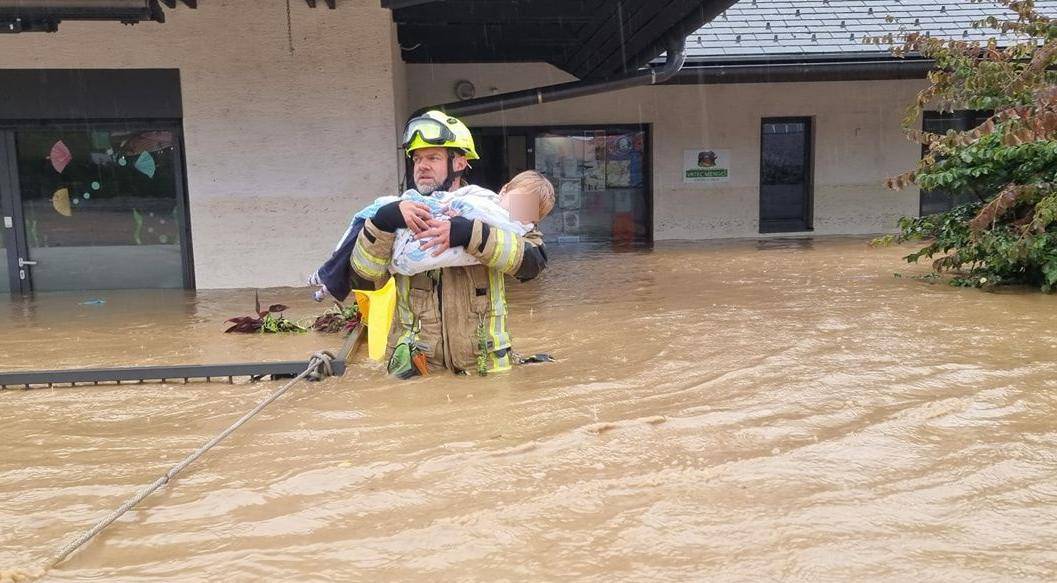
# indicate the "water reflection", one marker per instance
pixel 785 243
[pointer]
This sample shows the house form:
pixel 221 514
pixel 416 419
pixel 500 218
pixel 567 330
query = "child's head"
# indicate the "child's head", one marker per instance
pixel 529 196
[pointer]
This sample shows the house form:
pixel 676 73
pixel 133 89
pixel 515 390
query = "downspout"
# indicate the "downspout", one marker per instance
pixel 549 93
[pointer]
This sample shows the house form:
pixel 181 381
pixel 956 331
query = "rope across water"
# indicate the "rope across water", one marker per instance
pixel 319 366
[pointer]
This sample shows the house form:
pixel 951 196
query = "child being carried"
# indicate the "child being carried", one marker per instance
pixel 527 189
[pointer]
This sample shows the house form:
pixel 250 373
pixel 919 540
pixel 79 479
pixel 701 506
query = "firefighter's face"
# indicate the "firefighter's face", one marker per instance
pixel 431 168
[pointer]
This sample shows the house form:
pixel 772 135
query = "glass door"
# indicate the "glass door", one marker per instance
pixel 785 175
pixel 601 183
pixel 601 175
pixel 98 206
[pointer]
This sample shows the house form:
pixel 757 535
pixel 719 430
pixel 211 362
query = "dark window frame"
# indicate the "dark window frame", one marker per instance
pixel 90 94
pixel 809 165
pixel 14 238
pixel 966 119
pixel 7 131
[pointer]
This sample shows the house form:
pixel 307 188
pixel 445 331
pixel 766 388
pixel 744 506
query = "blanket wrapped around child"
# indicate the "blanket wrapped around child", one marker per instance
pixel 471 202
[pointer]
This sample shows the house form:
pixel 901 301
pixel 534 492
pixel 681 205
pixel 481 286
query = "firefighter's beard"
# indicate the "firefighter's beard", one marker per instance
pixel 427 186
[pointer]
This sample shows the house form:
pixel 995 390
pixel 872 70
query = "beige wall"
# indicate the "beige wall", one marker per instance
pixel 281 146
pixel 400 93
pixel 858 141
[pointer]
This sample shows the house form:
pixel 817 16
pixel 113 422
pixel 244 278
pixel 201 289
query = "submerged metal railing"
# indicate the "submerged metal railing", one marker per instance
pixel 142 374
pixel 35 379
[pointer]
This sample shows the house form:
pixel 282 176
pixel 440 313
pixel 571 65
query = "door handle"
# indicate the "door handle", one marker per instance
pixel 23 262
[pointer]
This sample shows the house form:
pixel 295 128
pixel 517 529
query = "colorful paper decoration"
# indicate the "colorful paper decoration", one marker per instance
pixel 145 164
pixel 60 201
pixel 137 227
pixel 60 156
pixel 153 141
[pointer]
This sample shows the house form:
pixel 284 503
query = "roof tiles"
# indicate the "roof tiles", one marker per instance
pixel 752 29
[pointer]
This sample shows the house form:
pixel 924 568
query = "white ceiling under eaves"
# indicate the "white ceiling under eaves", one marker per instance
pixel 809 29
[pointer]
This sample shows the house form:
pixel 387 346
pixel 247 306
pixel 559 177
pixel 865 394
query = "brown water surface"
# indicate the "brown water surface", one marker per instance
pixel 740 411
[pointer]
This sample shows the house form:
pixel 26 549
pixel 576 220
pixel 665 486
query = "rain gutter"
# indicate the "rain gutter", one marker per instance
pixel 650 76
pixel 803 71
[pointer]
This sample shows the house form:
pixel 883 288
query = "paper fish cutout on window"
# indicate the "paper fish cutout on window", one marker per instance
pixel 60 200
pixel 60 156
pixel 145 164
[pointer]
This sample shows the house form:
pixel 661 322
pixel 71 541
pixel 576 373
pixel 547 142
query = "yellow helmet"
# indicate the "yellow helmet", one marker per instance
pixel 435 129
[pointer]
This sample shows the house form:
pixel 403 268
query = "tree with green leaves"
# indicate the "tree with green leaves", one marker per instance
pixel 1009 161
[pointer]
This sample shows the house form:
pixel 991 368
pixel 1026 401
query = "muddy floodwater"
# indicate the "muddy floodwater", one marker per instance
pixel 743 411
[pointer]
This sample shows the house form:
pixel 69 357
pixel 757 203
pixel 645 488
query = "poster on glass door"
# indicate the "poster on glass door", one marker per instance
pixel 706 166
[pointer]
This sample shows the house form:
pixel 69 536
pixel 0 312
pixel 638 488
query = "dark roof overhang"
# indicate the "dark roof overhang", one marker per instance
pixel 591 39
pixel 45 15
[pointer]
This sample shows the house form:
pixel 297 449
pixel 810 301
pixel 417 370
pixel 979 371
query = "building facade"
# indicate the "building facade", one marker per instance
pixel 230 146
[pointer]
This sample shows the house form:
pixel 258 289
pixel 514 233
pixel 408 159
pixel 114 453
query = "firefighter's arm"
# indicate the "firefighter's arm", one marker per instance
pixel 524 257
pixel 374 245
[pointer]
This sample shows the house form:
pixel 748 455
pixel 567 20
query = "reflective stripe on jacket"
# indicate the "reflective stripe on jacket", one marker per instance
pixel 457 314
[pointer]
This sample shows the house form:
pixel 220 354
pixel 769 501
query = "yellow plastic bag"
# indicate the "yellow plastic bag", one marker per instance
pixel 376 311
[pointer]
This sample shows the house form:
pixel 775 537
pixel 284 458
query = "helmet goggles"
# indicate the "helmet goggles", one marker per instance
pixel 428 130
